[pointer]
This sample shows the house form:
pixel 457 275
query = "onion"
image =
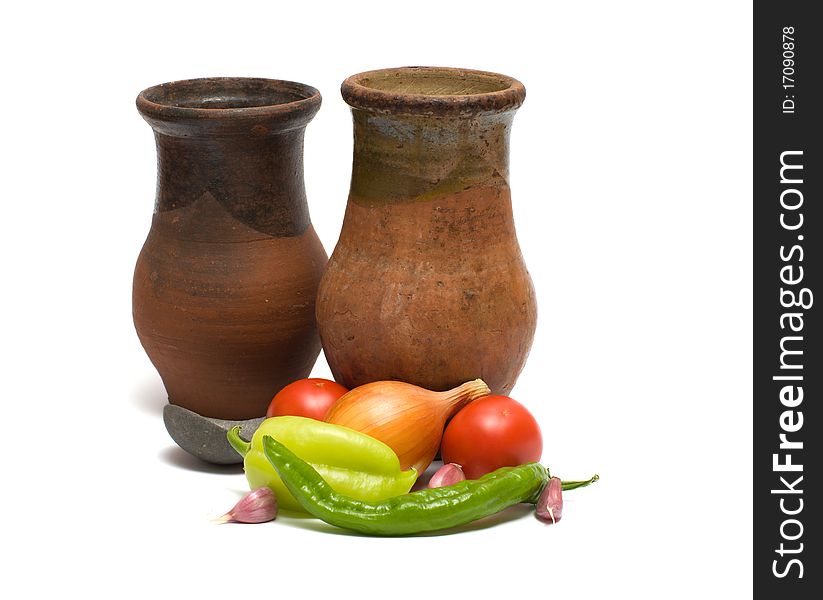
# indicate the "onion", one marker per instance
pixel 407 418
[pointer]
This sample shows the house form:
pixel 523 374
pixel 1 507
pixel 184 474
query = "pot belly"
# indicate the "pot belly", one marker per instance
pixel 227 324
pixel 434 293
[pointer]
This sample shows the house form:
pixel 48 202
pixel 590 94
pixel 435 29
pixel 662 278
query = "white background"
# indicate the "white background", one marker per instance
pixel 631 177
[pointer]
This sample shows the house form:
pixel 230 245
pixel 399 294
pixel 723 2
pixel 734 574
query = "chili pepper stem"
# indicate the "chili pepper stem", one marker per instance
pixel 573 485
pixel 240 445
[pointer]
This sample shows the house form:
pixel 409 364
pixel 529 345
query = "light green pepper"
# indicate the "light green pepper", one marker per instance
pixel 352 463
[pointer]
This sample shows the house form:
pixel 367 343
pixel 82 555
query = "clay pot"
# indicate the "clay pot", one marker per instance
pixel 225 286
pixel 427 283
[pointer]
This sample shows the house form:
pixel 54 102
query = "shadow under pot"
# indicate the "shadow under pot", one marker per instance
pixel 225 285
pixel 427 283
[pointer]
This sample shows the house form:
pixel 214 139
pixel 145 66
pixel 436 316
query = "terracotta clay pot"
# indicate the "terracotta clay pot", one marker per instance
pixel 225 286
pixel 427 283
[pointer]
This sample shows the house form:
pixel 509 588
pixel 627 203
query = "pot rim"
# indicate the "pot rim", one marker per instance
pixel 496 93
pixel 152 101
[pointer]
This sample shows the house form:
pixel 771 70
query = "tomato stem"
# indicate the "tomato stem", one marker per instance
pixel 573 485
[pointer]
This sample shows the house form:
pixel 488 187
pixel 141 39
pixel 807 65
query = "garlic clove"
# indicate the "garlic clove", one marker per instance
pixel 549 506
pixel 448 474
pixel 258 506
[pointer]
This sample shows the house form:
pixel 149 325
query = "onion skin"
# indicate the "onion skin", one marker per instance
pixel 407 418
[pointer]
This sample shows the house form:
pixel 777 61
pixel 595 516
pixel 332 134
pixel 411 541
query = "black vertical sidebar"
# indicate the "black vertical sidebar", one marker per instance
pixel 788 169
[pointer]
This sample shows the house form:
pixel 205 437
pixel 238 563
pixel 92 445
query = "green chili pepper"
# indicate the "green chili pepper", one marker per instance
pixel 352 463
pixel 425 510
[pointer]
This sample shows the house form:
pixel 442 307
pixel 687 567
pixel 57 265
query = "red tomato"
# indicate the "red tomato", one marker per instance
pixel 490 433
pixel 306 398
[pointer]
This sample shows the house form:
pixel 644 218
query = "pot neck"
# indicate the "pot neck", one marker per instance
pixel 411 158
pixel 258 180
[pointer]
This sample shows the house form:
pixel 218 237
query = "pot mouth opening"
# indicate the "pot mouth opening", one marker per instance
pixel 433 90
pixel 216 97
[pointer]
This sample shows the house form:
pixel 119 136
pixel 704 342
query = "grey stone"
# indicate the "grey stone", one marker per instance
pixel 205 437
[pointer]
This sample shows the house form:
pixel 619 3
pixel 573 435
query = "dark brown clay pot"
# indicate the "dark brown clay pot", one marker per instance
pixel 427 283
pixel 225 286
